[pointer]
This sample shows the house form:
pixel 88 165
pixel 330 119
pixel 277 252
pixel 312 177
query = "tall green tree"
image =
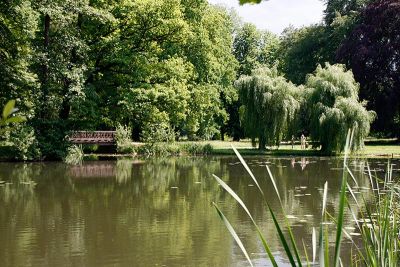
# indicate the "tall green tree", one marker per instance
pixel 270 106
pixel 300 51
pixel 269 49
pixel 246 48
pixel 252 49
pixel 335 8
pixel 18 24
pixel 209 50
pixel 62 46
pixel 334 108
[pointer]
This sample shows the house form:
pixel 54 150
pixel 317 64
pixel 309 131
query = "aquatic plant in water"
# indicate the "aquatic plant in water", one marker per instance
pixel 74 155
pixel 377 223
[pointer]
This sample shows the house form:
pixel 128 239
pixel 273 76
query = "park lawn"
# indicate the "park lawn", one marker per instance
pixel 381 150
pixel 376 148
pixel 245 148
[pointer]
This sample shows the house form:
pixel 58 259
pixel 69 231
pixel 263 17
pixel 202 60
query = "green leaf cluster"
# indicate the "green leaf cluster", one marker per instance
pixel 270 105
pixel 333 108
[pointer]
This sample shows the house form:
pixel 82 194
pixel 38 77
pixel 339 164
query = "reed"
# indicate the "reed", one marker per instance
pixel 377 223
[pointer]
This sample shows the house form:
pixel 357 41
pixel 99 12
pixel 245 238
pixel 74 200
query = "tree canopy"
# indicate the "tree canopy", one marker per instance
pixel 270 105
pixel 170 67
pixel 333 106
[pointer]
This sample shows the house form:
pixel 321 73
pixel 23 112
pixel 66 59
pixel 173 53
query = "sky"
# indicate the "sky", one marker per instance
pixel 276 15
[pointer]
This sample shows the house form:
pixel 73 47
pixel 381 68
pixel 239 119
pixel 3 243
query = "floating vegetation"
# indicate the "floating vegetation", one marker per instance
pixel 355 234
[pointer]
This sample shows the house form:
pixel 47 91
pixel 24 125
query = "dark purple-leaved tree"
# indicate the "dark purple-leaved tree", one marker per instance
pixel 372 51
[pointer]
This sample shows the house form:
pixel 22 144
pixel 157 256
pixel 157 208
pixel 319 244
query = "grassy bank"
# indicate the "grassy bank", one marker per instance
pixel 373 148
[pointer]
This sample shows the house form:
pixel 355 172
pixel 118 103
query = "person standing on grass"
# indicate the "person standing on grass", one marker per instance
pixel 292 141
pixel 302 141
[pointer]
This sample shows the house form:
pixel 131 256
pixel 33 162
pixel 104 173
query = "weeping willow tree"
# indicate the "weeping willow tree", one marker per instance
pixel 269 106
pixel 333 108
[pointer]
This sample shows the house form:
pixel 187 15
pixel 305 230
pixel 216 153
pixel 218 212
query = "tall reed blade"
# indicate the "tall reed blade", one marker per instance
pixel 233 233
pixel 278 228
pixel 273 182
pixel 342 202
pixel 247 169
pixel 239 200
pixel 314 245
pixel 324 198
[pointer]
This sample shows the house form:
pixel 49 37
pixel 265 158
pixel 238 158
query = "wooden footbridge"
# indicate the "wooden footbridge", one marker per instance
pixel 93 137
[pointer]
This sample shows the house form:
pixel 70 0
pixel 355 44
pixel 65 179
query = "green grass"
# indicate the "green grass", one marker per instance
pixel 381 150
pixel 372 149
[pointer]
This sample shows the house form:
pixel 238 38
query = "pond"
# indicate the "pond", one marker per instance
pixel 159 212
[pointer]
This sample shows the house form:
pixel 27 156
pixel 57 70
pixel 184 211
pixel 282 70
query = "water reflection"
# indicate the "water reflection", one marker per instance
pixel 157 212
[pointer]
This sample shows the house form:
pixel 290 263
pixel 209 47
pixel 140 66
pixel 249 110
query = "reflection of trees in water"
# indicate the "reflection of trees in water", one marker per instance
pixel 96 169
pixel 149 213
pixel 86 215
pixel 150 220
pixel 124 171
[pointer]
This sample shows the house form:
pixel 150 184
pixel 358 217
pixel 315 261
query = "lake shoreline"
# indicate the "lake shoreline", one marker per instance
pixel 376 148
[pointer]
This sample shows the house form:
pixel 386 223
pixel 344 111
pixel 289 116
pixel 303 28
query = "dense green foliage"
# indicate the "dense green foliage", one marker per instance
pixel 166 69
pixel 92 65
pixel 270 105
pixel 333 107
pixel 336 8
pixel 123 139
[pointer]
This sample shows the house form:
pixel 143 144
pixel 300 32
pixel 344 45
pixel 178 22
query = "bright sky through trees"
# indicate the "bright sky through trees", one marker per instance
pixel 275 15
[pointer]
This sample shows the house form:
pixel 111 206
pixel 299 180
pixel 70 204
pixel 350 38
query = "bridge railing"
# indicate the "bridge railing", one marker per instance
pixel 92 137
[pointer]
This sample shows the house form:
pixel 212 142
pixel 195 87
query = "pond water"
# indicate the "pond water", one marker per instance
pixel 159 212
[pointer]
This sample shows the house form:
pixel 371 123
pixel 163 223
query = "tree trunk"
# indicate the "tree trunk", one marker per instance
pixel 45 67
pixel 262 142
pixel 66 105
pixel 222 132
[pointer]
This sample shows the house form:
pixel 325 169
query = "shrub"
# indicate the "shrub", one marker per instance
pixel 157 132
pixel 74 155
pixel 160 149
pixel 51 136
pixel 90 148
pixel 197 149
pixel 123 139
pixel 24 143
pixel 174 149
